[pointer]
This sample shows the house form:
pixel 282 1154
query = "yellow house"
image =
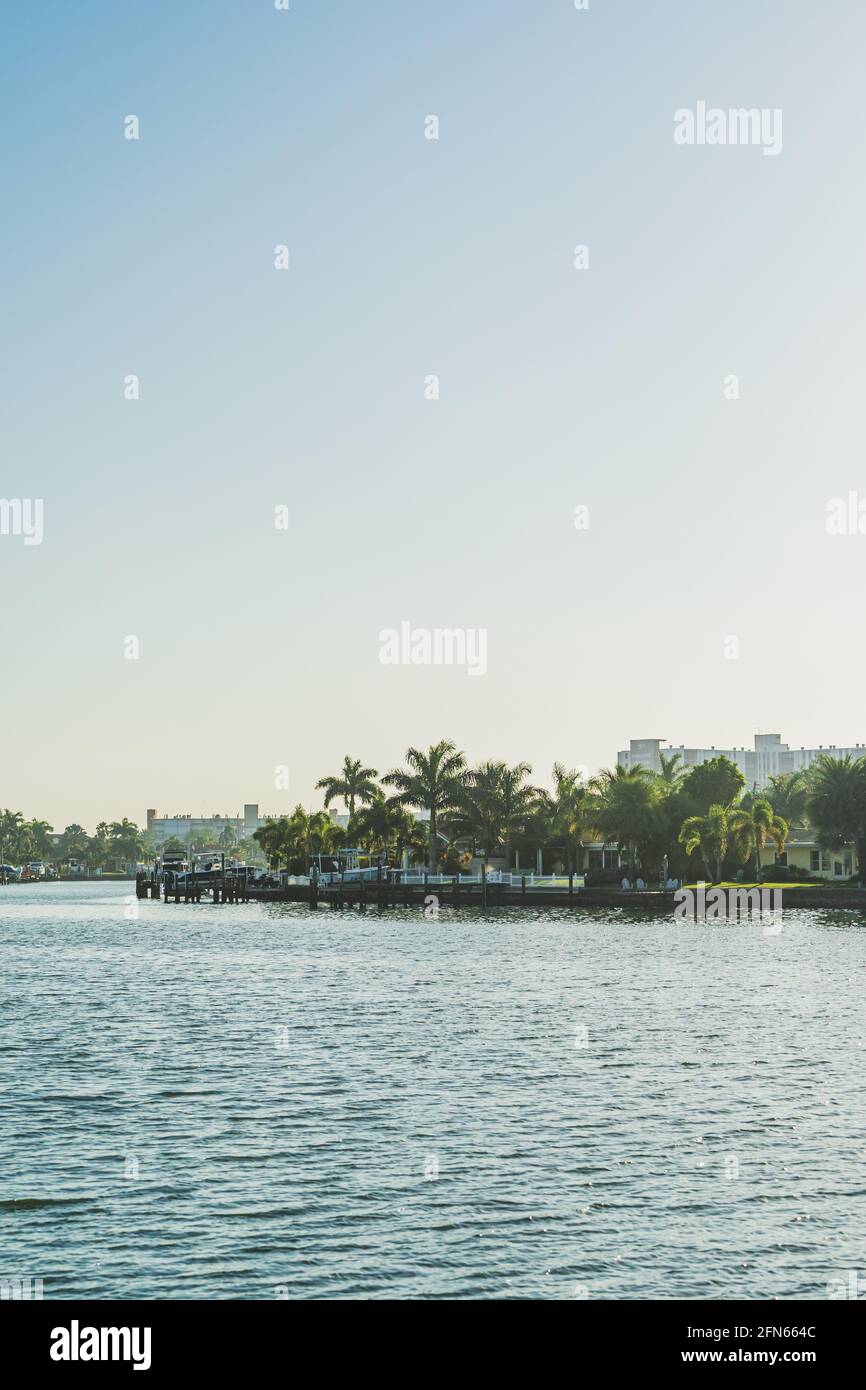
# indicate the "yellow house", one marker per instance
pixel 802 851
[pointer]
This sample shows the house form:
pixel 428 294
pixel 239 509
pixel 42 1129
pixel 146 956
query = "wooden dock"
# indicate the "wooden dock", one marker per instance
pixel 386 892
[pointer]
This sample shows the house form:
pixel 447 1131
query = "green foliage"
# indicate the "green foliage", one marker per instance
pixel 626 811
pixel 432 781
pixel 493 805
pixel 753 825
pixel 292 840
pixel 715 783
pixel 836 804
pixel 355 783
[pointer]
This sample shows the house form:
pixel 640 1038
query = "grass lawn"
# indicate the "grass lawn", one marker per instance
pixel 790 884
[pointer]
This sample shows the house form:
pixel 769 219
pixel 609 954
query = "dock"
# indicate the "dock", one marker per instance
pixel 423 892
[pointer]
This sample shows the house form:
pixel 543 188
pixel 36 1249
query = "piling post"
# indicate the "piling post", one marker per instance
pixel 314 887
pixel 571 886
pixel 523 884
pixel 483 885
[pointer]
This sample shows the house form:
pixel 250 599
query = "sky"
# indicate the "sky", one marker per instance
pixel 258 647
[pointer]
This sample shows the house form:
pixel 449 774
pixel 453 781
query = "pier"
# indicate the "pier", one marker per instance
pixel 389 890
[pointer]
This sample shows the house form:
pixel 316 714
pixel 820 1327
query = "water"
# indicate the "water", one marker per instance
pixel 259 1102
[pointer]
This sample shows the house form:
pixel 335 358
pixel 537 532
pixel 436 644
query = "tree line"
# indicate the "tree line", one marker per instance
pixel 700 821
pixel 28 841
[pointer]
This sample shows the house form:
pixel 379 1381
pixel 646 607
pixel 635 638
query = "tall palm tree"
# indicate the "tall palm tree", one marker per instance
pixel 355 783
pixel 837 805
pixel 754 825
pixel 711 834
pixel 432 781
pixel 570 812
pixel 624 809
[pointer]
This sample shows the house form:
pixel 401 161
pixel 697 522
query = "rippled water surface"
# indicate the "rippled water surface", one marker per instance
pixel 257 1102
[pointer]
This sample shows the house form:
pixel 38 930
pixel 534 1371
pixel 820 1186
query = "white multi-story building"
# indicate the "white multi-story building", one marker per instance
pixel 182 826
pixel 770 757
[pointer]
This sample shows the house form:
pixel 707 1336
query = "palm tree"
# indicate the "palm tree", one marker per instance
pixel 711 835
pixel 385 826
pixel 375 826
pixel 837 805
pixel 570 812
pixel 354 783
pixel 41 833
pixel 201 839
pixel 297 838
pixel 410 838
pixel 671 774
pixel 77 844
pixel 754 825
pixel 127 841
pixel 519 803
pixel 478 811
pixel 789 796
pixel 11 825
pixel 272 837
pixel 624 809
pixel 431 781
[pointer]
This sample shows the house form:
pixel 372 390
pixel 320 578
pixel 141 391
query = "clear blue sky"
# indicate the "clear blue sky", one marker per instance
pixel 410 257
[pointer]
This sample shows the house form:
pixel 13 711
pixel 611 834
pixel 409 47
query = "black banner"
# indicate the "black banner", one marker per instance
pixel 164 1339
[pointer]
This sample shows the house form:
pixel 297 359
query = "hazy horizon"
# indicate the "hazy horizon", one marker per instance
pixel 606 388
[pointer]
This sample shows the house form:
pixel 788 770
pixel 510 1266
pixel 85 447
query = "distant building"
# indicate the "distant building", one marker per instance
pixel 770 757
pixel 181 826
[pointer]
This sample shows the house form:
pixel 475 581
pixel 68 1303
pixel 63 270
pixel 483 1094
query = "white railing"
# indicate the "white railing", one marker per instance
pixel 412 877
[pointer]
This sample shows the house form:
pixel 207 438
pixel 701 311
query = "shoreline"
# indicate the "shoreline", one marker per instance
pixel 651 901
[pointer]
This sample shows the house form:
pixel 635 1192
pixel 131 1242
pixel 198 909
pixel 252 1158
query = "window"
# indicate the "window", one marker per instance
pixel 814 860
pixel 837 868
